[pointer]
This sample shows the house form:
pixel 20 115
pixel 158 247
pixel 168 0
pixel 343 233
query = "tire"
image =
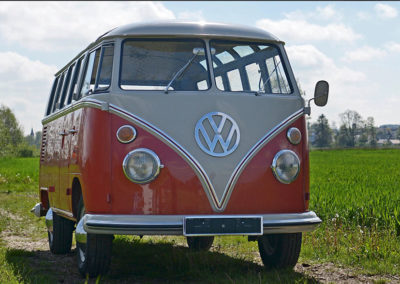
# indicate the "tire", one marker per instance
pixel 60 240
pixel 280 250
pixel 200 243
pixel 94 257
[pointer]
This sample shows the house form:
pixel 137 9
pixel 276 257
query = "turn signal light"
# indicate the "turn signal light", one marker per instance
pixel 126 134
pixel 294 135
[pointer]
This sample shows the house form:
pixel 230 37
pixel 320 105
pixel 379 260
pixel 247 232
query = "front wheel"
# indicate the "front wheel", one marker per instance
pixel 280 250
pixel 94 256
pixel 200 243
pixel 60 237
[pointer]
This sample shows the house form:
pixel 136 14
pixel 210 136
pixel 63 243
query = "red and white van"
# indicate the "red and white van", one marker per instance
pixel 177 129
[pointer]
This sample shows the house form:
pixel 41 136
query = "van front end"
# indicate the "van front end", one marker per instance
pixel 158 188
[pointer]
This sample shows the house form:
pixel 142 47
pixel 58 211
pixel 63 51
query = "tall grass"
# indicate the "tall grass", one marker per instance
pixel 357 187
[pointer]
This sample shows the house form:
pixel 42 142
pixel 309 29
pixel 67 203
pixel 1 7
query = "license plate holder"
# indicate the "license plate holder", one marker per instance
pixel 226 225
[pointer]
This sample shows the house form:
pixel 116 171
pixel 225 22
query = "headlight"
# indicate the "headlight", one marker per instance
pixel 286 166
pixel 141 165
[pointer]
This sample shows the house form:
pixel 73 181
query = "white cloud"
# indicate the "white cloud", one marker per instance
pixel 302 30
pixel 364 53
pixel 25 86
pixel 393 46
pixel 362 15
pixel 385 11
pixel 320 13
pixel 64 25
pixel 328 12
pixel 191 15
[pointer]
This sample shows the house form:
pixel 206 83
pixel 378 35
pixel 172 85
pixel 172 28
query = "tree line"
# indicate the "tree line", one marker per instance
pixel 13 143
pixel 354 131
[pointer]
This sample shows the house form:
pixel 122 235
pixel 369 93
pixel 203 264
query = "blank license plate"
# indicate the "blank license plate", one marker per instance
pixel 196 226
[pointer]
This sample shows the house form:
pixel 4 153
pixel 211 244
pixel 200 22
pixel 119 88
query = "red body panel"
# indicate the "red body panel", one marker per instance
pixel 94 156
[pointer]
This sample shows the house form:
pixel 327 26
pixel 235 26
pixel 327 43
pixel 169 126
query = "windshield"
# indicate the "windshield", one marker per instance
pixel 245 66
pixel 151 64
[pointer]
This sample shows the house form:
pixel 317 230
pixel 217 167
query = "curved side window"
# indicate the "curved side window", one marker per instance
pixel 73 88
pixel 51 98
pixel 90 73
pixel 57 93
pixel 98 72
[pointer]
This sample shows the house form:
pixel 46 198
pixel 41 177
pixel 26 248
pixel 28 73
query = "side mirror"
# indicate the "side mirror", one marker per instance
pixel 321 93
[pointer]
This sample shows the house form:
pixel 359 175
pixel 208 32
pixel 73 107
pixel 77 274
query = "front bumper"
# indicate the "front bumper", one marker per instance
pixel 174 224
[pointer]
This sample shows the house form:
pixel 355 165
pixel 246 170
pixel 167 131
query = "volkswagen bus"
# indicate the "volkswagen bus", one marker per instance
pixel 177 128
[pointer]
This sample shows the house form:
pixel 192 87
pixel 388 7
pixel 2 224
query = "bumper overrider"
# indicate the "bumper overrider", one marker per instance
pixel 195 225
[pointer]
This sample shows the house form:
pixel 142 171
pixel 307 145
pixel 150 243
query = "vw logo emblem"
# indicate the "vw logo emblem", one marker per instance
pixel 217 134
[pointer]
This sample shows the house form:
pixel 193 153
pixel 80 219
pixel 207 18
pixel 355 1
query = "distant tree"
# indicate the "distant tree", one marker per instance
pixel 352 124
pixel 10 132
pixel 343 138
pixel 322 132
pixel 38 139
pixel 371 131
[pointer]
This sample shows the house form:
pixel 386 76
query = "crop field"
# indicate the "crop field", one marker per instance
pixel 355 192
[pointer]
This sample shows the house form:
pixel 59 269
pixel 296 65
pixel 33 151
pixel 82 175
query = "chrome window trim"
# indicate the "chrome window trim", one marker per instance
pixel 153 155
pixel 134 134
pixel 288 135
pixel 273 166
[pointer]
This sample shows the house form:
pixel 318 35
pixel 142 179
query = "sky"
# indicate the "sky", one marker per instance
pixel 355 46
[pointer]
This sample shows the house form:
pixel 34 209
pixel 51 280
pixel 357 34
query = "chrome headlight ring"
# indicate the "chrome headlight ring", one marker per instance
pixel 286 166
pixel 136 163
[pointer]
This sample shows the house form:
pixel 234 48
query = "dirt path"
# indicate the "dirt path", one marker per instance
pixel 66 265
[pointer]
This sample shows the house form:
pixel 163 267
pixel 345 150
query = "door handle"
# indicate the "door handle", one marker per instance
pixel 72 131
pixel 62 133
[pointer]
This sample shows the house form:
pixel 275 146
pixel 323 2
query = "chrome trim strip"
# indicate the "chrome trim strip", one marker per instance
pixel 71 108
pixel 63 213
pixel 173 224
pixel 44 188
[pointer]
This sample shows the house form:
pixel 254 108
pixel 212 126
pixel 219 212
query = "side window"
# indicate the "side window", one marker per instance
pixel 98 70
pixel 73 88
pixel 58 91
pixel 65 88
pixel 51 98
pixel 104 79
pixel 90 73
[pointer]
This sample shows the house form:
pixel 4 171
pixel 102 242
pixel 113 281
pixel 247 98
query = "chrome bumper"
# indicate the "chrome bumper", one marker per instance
pixel 174 224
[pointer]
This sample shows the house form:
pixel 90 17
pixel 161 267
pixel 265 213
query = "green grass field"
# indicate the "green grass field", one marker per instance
pixel 355 192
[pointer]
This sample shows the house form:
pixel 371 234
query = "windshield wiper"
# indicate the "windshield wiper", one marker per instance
pixel 269 78
pixel 196 51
